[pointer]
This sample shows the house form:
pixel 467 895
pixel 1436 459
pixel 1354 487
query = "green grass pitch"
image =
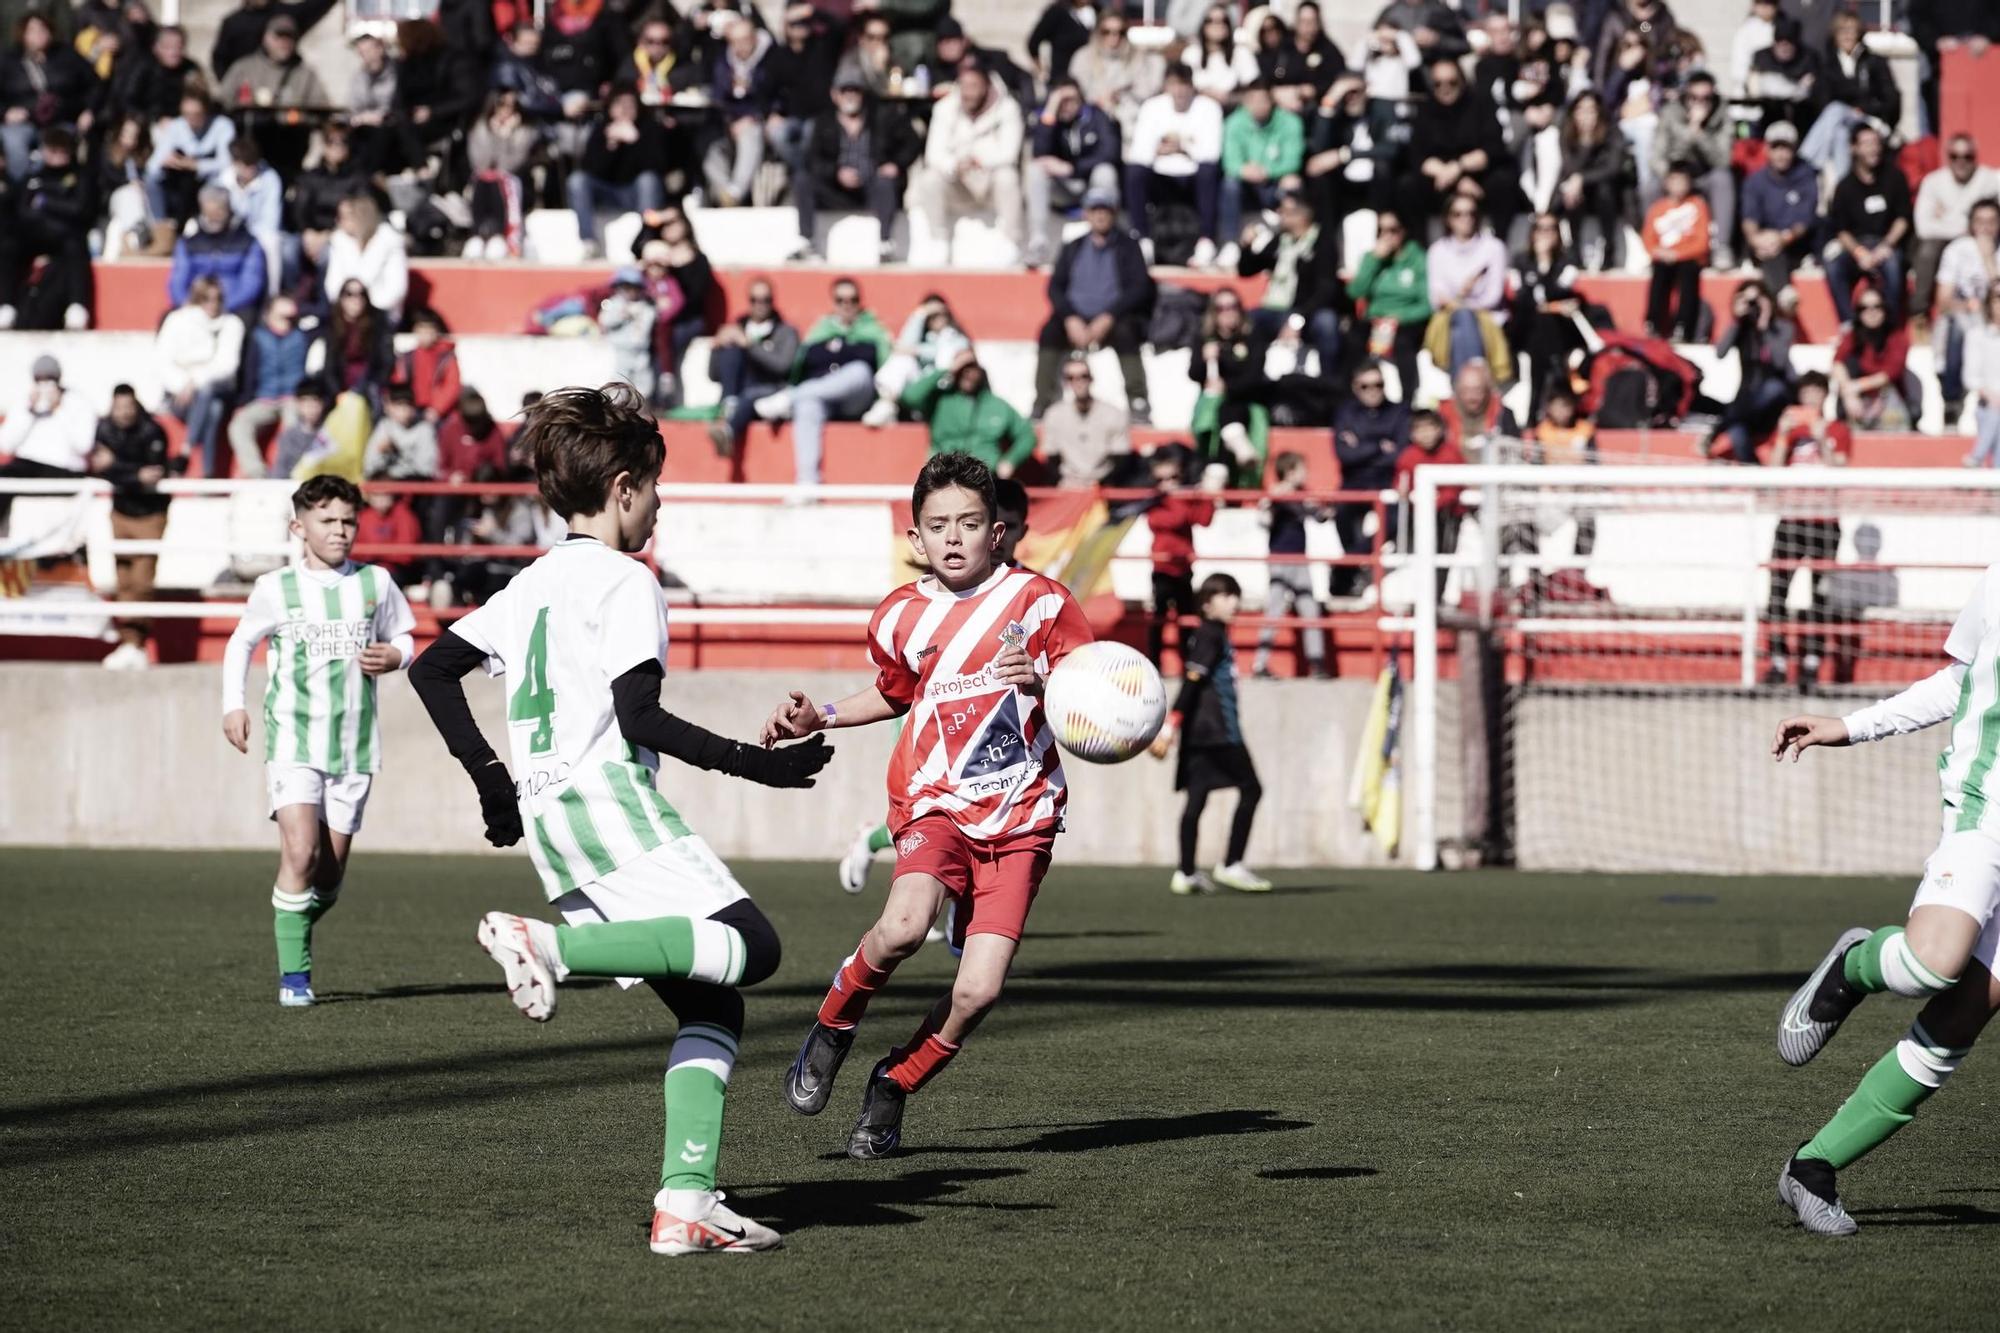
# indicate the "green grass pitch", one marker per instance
pixel 1368 1100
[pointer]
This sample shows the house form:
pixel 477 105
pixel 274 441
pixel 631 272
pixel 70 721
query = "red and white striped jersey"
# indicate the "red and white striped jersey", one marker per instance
pixel 971 747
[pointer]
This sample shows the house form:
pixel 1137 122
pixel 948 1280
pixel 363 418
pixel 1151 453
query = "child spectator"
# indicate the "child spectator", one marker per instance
pixel 1291 586
pixel 388 520
pixel 1871 373
pixel 470 440
pixel 1565 436
pixel 1676 236
pixel 1805 439
pixel 303 440
pixel 1173 518
pixel 628 319
pixel 1430 444
pixel 404 445
pixel 1213 757
pixel 430 368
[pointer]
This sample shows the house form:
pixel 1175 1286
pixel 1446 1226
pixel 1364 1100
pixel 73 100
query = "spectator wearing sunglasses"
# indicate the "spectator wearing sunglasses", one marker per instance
pixel 1944 212
pixel 1456 147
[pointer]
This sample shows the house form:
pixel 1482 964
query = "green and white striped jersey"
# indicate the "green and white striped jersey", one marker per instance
pixel 319 707
pixel 562 630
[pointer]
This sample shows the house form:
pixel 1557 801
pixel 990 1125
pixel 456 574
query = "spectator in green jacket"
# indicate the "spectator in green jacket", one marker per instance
pixel 1263 151
pixel 967 417
pixel 834 378
pixel 1394 282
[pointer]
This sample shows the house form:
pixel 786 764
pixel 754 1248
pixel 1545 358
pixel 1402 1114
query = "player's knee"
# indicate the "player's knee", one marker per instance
pixel 1920 968
pixel 975 995
pixel 761 951
pixel 1927 1058
pixel 897 935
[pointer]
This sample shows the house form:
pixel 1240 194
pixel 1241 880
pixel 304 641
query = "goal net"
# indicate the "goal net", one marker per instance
pixel 1601 656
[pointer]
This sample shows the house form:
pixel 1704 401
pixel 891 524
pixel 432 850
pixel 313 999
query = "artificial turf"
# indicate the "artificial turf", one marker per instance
pixel 1368 1100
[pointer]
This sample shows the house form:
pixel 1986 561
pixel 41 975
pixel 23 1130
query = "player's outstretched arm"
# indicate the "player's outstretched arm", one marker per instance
pixel 1798 734
pixel 636 698
pixel 435 677
pixel 798 716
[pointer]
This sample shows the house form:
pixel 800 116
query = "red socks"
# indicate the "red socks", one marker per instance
pixel 921 1061
pixel 853 986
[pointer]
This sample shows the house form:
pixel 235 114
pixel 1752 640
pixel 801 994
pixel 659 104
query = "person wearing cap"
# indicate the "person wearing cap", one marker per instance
pixel 1781 220
pixel 971 159
pixel 967 417
pixel 1176 151
pixel 858 155
pixel 242 31
pixel 1785 77
pixel 1100 295
pixel 1074 149
pixel 274 75
pixel 1696 130
pixel 628 318
pixel 47 438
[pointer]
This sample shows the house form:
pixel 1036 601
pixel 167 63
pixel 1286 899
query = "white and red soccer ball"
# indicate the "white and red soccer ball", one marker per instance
pixel 1105 702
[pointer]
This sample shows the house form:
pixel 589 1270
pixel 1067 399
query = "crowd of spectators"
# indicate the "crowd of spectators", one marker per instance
pixel 1437 192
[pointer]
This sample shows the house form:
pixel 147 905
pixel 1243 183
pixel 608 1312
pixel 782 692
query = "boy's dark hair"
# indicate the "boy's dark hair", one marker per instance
pixel 318 490
pixel 399 393
pixel 246 151
pixel 1217 585
pixel 581 439
pixel 123 391
pixel 1287 461
pixel 1425 417
pixel 315 387
pixel 1009 495
pixel 425 315
pixel 58 138
pixel 1816 379
pixel 960 470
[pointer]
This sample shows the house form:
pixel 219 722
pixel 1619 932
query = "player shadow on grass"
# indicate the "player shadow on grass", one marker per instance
pixel 883 1201
pixel 432 989
pixel 1928 1215
pixel 1318 1173
pixel 1130 1131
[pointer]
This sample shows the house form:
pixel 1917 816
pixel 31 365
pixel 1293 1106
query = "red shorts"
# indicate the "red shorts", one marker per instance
pixel 994 882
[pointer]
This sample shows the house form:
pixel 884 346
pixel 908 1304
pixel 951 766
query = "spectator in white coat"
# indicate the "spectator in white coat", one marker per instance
pixel 1176 148
pixel 368 249
pixel 200 348
pixel 1944 212
pixel 972 157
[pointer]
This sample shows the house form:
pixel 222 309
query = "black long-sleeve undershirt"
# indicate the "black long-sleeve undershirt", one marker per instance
pixel 435 676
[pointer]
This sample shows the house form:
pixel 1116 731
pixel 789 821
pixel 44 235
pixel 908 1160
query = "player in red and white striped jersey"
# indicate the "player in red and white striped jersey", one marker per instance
pixel 976 788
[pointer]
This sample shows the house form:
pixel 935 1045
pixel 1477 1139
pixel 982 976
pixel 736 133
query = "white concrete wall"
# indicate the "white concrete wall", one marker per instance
pixel 98 759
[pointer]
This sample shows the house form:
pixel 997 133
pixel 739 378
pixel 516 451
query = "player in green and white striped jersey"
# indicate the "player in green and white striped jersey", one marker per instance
pixel 334 626
pixel 1946 952
pixel 581 636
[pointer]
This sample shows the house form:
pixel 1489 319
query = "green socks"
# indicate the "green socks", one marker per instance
pixel 1887 1100
pixel 880 839
pixel 1885 962
pixel 294 935
pixel 697 1079
pixel 667 946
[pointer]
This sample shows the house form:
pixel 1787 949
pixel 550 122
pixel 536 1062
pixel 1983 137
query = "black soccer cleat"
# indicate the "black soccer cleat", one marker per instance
pixel 809 1082
pixel 879 1131
pixel 1820 1005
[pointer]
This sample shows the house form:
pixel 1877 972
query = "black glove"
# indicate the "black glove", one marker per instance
pixel 786 766
pixel 497 804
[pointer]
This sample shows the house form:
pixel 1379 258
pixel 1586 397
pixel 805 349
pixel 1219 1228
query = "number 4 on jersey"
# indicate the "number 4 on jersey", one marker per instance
pixel 535 702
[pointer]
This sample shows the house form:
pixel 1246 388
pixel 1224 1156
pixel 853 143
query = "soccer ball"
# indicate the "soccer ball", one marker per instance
pixel 1105 702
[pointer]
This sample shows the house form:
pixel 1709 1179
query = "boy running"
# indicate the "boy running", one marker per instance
pixel 1213 756
pixel 582 633
pixel 976 789
pixel 334 626
pixel 1010 499
pixel 1945 953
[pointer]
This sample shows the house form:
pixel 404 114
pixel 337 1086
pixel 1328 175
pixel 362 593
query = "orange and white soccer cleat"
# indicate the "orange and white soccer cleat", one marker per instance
pixel 721 1230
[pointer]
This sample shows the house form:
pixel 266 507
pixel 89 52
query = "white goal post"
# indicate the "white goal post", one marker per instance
pixel 1599 661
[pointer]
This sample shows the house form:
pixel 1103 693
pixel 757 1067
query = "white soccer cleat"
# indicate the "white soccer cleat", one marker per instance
pixel 720 1230
pixel 1241 878
pixel 1185 886
pixel 526 952
pixel 855 865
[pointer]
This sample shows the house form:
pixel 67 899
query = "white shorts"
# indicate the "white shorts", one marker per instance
pixel 341 797
pixel 678 878
pixel 1964 873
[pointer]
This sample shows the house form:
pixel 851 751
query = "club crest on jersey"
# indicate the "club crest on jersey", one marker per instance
pixel 909 843
pixel 1015 635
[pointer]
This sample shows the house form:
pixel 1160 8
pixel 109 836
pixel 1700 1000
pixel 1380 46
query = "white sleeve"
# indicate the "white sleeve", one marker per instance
pixel 1206 142
pixel 478 627
pixel 1925 704
pixel 631 623
pixel 395 624
pixel 1969 630
pixel 260 617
